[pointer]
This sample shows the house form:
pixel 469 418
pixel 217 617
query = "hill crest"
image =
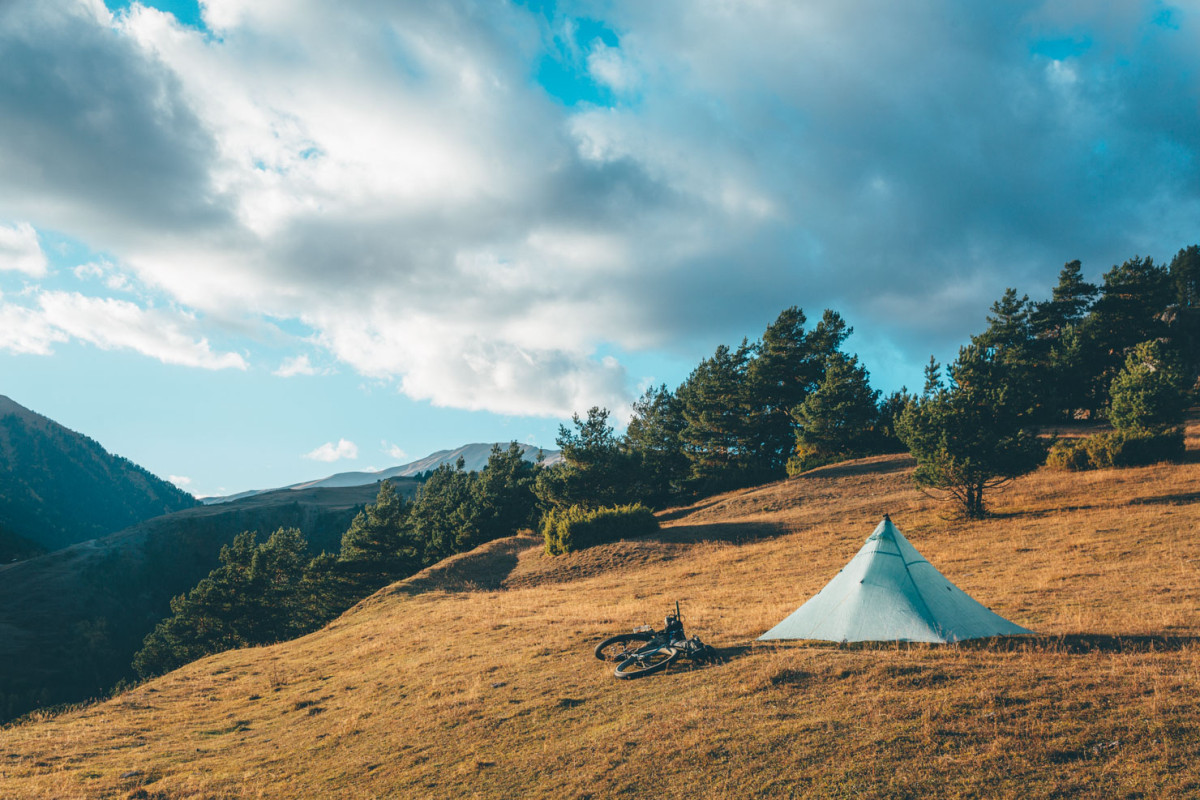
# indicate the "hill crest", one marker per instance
pixel 59 487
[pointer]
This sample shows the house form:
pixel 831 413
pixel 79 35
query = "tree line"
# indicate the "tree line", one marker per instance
pixel 1126 351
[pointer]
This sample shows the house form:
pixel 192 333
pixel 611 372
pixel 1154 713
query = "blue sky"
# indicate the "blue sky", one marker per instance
pixel 237 238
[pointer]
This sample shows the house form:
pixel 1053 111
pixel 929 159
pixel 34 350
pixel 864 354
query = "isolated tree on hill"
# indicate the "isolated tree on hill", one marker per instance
pixel 971 436
pixel 839 419
pixel 1149 393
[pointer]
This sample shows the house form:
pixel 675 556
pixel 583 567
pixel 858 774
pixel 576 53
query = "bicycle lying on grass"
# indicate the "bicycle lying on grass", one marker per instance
pixel 646 650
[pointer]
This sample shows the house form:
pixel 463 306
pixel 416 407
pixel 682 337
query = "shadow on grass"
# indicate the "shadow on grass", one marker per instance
pixel 482 569
pixel 686 511
pixel 728 532
pixel 1183 498
pixel 878 465
pixel 1082 643
pixel 1074 644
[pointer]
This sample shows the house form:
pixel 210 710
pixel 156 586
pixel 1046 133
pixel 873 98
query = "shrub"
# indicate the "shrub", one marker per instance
pixel 1132 448
pixel 1135 448
pixel 1069 454
pixel 576 527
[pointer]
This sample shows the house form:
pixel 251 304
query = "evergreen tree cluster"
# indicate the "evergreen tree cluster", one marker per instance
pixel 1072 352
pixel 787 402
pixel 1126 351
pixel 275 590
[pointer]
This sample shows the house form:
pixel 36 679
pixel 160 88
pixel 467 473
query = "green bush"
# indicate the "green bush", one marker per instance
pixel 577 527
pixel 1135 448
pixel 1131 448
pixel 1069 454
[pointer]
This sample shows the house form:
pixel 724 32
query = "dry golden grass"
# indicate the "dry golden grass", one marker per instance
pixel 476 679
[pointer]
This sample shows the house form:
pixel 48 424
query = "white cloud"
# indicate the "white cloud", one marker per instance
pixel 334 452
pixel 608 66
pixel 119 324
pixel 394 451
pixel 443 225
pixel 180 480
pixel 21 251
pixel 297 365
pixel 103 270
pixel 24 330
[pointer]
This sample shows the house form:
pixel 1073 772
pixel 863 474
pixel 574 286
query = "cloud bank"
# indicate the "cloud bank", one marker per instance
pixel 488 205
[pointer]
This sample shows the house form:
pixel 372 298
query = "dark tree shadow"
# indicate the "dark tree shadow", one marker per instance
pixel 1076 644
pixel 879 465
pixel 1185 498
pixel 728 532
pixel 686 511
pixel 482 569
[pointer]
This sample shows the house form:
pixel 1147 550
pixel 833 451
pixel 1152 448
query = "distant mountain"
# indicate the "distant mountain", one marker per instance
pixel 474 456
pixel 58 487
pixel 71 620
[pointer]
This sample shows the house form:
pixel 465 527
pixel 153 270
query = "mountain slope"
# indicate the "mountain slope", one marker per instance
pixel 58 487
pixel 476 677
pixel 71 620
pixel 474 456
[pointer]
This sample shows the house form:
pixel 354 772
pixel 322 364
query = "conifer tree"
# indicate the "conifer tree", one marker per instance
pixel 653 440
pixel 839 420
pixel 973 435
pixel 716 413
pixel 1148 393
pixel 380 545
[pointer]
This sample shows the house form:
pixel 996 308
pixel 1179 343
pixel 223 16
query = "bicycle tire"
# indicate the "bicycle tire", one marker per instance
pixel 616 648
pixel 646 663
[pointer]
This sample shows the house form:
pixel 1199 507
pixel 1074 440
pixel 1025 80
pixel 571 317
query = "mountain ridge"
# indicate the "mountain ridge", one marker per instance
pixel 474 455
pixel 59 487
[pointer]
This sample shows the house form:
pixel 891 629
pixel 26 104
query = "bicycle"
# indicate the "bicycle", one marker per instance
pixel 645 650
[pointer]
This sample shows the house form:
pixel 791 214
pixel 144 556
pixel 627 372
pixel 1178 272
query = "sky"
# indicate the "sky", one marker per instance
pixel 246 243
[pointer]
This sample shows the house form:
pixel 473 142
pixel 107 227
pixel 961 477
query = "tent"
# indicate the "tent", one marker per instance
pixel 890 593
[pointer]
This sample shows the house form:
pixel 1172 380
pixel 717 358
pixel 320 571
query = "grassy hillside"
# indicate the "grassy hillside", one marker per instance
pixel 476 679
pixel 71 620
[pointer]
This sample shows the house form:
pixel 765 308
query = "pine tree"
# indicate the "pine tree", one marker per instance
pixel 716 412
pixel 972 436
pixel 1149 392
pixel 442 514
pixel 380 546
pixel 502 497
pixel 839 420
pixel 654 441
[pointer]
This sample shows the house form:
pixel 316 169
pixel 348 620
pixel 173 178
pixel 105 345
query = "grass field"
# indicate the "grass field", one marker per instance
pixel 476 679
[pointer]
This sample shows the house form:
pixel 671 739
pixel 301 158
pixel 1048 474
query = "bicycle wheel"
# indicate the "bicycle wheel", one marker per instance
pixel 644 663
pixel 618 648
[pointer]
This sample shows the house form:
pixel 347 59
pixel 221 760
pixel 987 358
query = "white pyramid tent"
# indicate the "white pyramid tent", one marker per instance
pixel 890 593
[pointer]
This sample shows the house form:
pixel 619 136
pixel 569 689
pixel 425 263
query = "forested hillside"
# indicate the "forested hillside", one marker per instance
pixel 71 620
pixel 58 487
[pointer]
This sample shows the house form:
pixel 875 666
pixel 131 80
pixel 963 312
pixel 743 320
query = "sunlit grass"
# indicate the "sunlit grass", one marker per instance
pixel 477 679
